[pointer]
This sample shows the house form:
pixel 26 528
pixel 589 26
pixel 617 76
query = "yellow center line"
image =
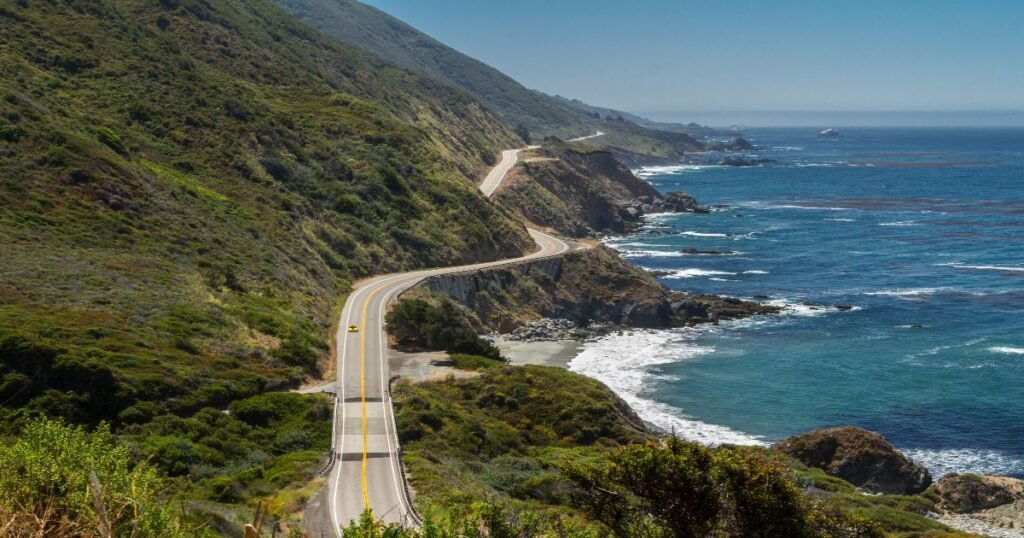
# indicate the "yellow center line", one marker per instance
pixel 362 388
pixel 362 385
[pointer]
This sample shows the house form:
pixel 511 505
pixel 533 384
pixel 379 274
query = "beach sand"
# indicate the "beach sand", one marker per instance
pixel 545 353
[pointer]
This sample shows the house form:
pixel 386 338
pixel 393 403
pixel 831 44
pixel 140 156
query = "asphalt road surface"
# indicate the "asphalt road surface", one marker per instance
pixel 367 470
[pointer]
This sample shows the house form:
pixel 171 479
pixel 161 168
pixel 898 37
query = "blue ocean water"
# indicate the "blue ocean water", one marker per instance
pixel 920 231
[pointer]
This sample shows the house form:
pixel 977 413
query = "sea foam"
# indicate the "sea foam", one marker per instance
pixel 696 272
pixel 1007 350
pixel 627 362
pixel 964 460
pixel 1003 268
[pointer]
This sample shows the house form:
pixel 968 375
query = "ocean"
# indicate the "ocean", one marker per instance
pixel 918 232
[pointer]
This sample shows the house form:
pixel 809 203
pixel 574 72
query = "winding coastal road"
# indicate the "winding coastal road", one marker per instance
pixel 367 470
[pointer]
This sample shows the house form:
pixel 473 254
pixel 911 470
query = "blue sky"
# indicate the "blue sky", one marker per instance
pixel 709 56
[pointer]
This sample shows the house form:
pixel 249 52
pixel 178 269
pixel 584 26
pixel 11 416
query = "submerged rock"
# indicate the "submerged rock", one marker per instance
pixel 860 457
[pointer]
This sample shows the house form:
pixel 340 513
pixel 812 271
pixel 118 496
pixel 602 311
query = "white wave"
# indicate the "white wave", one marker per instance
pixel 788 148
pixel 649 171
pixel 842 220
pixel 695 272
pixel 650 254
pixel 716 279
pixel 907 292
pixel 626 363
pixel 1007 350
pixel 939 349
pixel 806 309
pixel 1004 268
pixel 765 205
pixel 703 234
pixel 964 460
pixel 900 223
pixel 661 215
pixel 816 208
pixel 755 272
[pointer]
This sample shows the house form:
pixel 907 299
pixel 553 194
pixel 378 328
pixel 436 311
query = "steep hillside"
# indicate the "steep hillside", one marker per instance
pixel 187 187
pixel 535 114
pixel 575 192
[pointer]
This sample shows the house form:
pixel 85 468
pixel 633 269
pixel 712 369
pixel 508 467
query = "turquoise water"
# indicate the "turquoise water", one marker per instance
pixel 920 231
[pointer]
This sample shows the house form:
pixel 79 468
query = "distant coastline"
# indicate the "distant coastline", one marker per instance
pixel 823 119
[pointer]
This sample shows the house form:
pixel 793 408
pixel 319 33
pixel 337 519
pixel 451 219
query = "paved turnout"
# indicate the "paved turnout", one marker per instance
pixel 367 470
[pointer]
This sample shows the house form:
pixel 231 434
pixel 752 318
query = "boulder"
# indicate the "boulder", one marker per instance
pixel 680 202
pixel 697 252
pixel 736 144
pixel 860 457
pixel 740 161
pixel 967 493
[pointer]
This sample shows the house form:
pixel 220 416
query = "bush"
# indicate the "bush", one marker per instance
pixel 111 139
pixel 679 488
pixel 442 327
pixel 58 480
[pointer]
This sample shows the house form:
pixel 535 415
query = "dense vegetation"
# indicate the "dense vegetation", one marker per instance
pixel 61 481
pixel 436 323
pixel 534 114
pixel 187 188
pixel 535 449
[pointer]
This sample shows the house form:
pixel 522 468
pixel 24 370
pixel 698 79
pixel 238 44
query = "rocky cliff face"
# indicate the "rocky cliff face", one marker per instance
pixel 580 193
pixel 588 287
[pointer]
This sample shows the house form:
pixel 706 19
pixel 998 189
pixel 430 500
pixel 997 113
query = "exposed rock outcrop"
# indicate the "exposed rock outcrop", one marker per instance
pixel 580 193
pixel 593 289
pixel 860 457
pixel 967 493
pixel 737 144
pixel 675 202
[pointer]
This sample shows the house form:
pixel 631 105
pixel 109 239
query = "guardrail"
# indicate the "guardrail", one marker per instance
pixel 333 456
pixel 401 464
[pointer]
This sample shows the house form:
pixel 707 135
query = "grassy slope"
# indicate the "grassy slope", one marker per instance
pixel 187 188
pixel 501 435
pixel 480 439
pixel 364 26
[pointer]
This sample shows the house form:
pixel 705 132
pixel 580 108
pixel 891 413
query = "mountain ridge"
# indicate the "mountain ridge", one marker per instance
pixel 535 115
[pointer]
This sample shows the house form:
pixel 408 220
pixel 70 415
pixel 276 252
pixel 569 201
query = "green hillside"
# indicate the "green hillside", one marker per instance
pixel 541 115
pixel 187 188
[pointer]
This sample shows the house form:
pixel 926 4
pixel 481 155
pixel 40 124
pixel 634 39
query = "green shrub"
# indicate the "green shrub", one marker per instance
pixel 48 480
pixel 111 139
pixel 442 326
pixel 677 488
pixel 465 361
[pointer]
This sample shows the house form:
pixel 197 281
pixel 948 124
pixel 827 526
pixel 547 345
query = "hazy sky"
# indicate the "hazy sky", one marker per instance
pixel 706 56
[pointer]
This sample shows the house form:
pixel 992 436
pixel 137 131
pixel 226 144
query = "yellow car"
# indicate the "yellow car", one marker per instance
pixel 353 329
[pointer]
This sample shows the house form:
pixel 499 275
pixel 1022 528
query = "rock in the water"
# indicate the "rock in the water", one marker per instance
pixel 967 493
pixel 678 202
pixel 737 144
pixel 740 161
pixel 860 457
pixel 696 252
